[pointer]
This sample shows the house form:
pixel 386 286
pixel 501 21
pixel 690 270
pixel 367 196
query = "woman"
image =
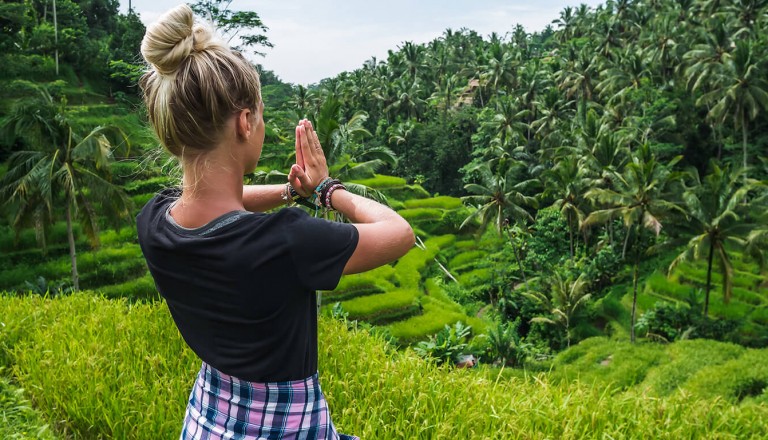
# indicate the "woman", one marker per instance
pixel 240 283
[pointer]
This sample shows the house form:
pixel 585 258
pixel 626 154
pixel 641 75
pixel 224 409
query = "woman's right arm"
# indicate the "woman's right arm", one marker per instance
pixel 384 236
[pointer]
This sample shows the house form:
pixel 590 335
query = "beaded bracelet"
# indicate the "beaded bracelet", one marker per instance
pixel 329 192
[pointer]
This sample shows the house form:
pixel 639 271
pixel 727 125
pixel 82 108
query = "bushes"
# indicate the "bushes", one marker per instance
pixel 677 321
pixel 28 67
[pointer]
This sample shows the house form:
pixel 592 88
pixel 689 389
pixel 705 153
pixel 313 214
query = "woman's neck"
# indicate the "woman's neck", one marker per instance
pixel 210 188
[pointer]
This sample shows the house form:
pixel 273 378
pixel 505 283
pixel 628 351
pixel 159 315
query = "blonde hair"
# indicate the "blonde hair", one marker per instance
pixel 194 82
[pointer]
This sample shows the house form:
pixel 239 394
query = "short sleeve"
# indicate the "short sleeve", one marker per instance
pixel 320 249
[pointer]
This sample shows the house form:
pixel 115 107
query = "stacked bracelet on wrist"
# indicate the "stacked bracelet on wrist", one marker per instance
pixel 325 197
pixel 320 198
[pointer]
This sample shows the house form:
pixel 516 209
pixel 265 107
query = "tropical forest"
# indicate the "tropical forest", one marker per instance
pixel 589 202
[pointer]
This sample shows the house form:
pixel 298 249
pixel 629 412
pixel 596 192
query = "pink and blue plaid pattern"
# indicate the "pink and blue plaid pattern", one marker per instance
pixel 224 407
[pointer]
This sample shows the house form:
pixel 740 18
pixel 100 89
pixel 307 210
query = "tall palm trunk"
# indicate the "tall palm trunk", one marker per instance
pixel 744 144
pixel 570 232
pixel 626 243
pixel 635 276
pixel 72 253
pixel 709 275
pixel 520 265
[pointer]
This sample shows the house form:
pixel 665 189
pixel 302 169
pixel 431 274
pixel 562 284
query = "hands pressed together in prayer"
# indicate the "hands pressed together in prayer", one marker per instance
pixel 310 168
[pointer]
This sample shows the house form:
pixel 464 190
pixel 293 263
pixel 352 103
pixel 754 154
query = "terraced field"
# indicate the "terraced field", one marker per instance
pixel 403 296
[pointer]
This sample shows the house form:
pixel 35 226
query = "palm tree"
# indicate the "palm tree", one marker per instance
pixel 350 157
pixel 499 197
pixel 402 134
pixel 577 78
pixel 567 183
pixel 61 167
pixel 739 90
pixel 748 13
pixel 302 101
pixel 407 100
pixel 412 57
pixel 662 46
pixel 707 57
pixel 507 123
pixel 565 24
pixel 499 72
pixel 446 94
pixel 641 197
pixel 553 109
pixel 627 75
pixel 564 298
pixel 717 221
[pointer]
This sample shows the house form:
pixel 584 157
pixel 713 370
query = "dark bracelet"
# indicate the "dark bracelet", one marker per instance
pixel 290 194
pixel 325 199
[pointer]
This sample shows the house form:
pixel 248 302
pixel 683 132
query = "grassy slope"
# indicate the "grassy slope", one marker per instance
pixel 373 391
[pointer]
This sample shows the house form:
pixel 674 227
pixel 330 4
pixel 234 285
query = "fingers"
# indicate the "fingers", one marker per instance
pixel 316 147
pixel 299 154
pixel 306 149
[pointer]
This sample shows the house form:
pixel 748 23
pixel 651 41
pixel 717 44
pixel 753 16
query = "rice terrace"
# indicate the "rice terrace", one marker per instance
pixel 589 201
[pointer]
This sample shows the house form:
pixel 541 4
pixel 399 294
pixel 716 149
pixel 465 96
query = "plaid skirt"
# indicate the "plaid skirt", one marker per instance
pixel 224 407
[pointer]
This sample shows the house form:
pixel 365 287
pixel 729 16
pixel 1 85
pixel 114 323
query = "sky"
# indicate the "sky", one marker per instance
pixel 320 39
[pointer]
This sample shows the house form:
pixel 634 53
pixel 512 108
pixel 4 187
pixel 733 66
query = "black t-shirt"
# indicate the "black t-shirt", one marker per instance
pixel 241 289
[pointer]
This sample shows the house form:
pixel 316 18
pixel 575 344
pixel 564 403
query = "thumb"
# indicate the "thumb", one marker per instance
pixel 299 180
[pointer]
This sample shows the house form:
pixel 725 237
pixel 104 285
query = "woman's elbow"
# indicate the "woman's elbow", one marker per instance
pixel 405 237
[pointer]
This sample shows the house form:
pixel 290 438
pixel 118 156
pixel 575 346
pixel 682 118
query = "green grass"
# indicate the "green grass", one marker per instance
pixel 440 202
pixel 382 182
pixel 383 307
pixel 434 317
pixel 687 358
pixel 475 277
pixel 407 192
pixel 408 268
pixel 421 214
pixel 18 420
pixel 609 363
pixel 466 258
pixel 105 266
pixel 89 363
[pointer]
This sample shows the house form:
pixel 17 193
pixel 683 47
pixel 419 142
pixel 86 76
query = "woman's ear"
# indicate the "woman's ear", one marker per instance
pixel 243 124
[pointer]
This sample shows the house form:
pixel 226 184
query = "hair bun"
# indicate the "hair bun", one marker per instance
pixel 203 38
pixel 170 39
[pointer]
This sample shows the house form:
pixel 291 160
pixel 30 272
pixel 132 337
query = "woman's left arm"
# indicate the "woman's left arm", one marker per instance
pixel 261 198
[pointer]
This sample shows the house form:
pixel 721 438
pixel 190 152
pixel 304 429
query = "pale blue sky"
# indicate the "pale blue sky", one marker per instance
pixel 320 39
